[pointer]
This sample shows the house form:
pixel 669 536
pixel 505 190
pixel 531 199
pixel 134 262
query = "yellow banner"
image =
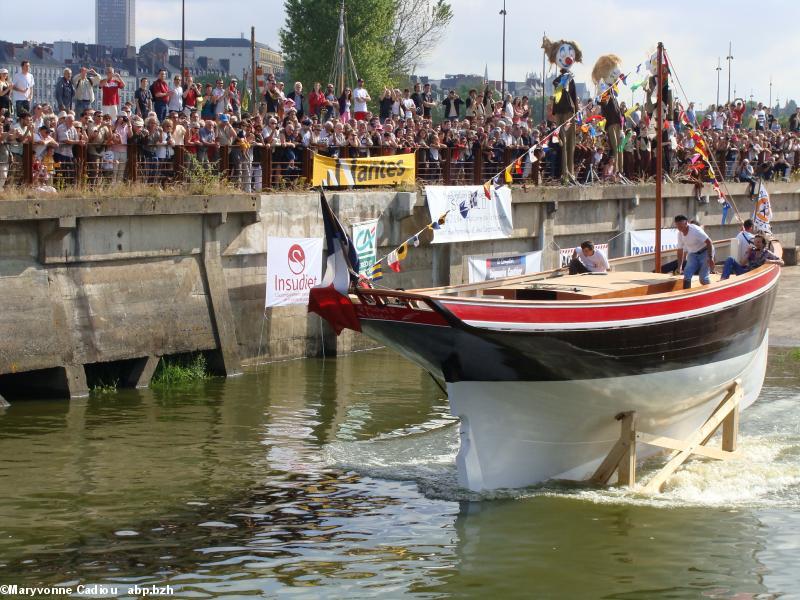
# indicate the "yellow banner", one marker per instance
pixel 379 170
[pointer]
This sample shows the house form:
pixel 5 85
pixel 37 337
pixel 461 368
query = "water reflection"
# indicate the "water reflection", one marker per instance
pixel 336 479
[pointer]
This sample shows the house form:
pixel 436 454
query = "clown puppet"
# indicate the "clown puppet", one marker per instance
pixel 605 75
pixel 564 54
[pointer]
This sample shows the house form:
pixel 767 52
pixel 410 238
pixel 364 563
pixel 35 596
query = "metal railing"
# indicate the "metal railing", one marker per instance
pixel 266 168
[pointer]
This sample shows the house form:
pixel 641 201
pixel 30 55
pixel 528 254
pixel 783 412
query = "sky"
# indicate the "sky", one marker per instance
pixel 695 34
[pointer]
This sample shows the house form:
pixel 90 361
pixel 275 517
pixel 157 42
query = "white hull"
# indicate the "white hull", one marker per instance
pixel 515 434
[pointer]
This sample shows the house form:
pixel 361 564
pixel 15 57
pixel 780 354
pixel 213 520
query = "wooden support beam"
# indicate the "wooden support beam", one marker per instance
pixel 627 466
pixel 696 439
pixel 622 457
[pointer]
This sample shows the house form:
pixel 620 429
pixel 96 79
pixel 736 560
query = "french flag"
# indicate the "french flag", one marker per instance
pixel 330 299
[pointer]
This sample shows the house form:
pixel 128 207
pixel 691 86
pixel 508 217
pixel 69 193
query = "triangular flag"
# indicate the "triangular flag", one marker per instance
pixel 518 166
pixel 509 178
pixel 414 241
pixel 487 189
pixel 394 261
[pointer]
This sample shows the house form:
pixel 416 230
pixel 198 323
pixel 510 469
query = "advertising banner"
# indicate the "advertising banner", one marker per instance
pixel 472 216
pixel 486 268
pixel 294 266
pixel 644 241
pixel 379 170
pixel 365 240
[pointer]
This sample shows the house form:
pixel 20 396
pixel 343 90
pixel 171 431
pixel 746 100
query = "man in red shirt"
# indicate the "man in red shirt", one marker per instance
pixel 111 86
pixel 160 93
pixel 190 95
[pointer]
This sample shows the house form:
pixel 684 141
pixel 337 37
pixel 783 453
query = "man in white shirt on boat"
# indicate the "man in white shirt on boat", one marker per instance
pixel 695 245
pixel 586 259
pixel 744 240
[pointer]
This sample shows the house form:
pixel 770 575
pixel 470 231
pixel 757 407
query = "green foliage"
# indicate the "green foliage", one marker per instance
pixel 102 388
pixel 794 354
pixel 308 40
pixel 180 371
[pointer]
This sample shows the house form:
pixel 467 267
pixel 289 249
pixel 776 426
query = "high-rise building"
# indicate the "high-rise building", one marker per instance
pixel 115 23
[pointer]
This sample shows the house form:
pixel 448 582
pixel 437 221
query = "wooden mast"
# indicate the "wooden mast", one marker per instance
pixel 659 153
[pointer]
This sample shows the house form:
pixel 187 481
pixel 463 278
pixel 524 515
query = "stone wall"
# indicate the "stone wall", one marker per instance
pixel 93 281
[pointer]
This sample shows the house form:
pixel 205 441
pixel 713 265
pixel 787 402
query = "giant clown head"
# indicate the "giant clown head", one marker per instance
pixel 563 53
pixel 607 70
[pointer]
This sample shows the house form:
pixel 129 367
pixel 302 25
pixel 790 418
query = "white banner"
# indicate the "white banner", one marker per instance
pixel 644 241
pixel 294 266
pixel 486 268
pixel 365 241
pixel 472 215
pixel 566 253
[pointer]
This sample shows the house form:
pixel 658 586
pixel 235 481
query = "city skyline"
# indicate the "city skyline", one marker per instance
pixel 694 48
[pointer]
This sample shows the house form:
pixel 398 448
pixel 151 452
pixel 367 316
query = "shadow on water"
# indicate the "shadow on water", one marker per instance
pixel 336 479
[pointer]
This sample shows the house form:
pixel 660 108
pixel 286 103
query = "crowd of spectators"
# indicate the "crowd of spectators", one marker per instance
pixel 204 122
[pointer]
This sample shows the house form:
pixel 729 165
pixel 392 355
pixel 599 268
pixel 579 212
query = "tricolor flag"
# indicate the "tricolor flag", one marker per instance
pixel 394 261
pixel 330 298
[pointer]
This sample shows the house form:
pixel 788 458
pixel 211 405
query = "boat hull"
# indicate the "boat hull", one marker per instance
pixel 514 433
pixel 537 384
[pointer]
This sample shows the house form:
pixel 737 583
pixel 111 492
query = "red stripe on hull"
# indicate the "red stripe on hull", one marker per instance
pixel 623 310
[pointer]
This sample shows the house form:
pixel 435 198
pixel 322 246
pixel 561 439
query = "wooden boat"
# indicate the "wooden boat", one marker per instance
pixel 537 367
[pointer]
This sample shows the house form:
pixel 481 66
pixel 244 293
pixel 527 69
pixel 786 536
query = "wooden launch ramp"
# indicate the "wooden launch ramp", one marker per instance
pixel 622 458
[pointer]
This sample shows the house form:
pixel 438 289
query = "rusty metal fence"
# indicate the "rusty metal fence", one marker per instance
pixel 261 169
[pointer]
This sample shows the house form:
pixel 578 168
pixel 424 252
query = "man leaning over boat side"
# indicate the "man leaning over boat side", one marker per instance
pixel 585 259
pixel 696 246
pixel 756 256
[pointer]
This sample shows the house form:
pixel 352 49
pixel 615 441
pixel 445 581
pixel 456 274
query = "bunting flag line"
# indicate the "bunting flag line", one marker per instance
pixel 508 177
pixel 577 118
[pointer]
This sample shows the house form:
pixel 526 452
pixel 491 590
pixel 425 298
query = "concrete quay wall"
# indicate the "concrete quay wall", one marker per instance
pixel 93 281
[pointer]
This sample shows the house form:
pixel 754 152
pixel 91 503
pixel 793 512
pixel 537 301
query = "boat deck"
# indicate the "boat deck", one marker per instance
pixel 587 286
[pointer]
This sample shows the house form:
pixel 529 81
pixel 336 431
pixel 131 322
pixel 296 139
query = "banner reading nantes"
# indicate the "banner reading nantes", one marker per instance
pixel 379 170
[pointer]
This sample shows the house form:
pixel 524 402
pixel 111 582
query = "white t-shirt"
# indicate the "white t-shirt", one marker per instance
pixel 743 240
pixel 24 81
pixel 175 99
pixel 596 263
pixel 694 240
pixel 360 99
pixel 409 108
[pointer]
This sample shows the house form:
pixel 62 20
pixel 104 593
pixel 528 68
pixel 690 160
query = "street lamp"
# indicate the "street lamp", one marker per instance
pixel 183 41
pixel 729 58
pixel 719 68
pixel 503 73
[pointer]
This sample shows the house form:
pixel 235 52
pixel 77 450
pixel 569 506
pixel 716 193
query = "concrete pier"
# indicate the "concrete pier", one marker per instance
pixel 128 280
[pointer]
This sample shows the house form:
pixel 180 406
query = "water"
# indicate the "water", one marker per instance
pixel 337 479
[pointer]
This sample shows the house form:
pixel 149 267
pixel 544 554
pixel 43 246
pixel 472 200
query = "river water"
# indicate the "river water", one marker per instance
pixel 336 479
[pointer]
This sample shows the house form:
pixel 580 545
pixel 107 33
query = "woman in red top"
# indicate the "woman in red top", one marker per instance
pixel 316 100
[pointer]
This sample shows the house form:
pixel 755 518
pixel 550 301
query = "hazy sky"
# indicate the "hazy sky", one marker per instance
pixel 764 35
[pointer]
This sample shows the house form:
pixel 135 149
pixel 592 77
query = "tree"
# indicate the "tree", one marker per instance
pixel 418 27
pixel 308 40
pixel 387 38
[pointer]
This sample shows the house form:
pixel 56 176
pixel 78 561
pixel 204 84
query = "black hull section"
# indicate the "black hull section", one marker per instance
pixel 463 353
